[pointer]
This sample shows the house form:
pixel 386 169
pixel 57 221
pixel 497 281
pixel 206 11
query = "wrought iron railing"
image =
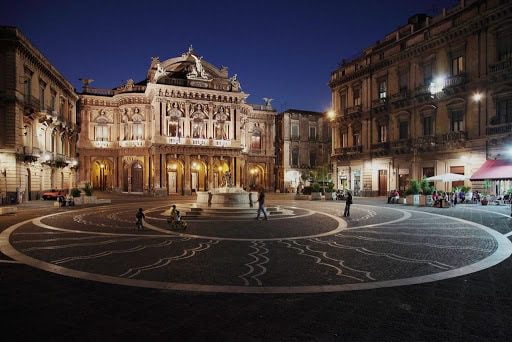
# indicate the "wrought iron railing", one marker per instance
pixel 499 129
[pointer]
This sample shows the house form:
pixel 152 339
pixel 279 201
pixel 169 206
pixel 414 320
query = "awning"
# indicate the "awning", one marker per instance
pixel 494 169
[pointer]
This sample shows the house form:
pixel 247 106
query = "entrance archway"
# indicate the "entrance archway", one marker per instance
pixel 137 177
pixel 256 174
pixel 198 175
pixel 101 174
pixel 219 170
pixel 175 179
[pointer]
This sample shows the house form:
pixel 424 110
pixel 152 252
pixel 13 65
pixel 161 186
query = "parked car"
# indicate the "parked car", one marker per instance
pixel 53 194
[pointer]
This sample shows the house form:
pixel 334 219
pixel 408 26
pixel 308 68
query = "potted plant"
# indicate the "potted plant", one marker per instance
pixel 316 193
pixel 88 198
pixel 413 193
pixel 485 196
pixel 75 193
pixel 426 197
pixel 329 190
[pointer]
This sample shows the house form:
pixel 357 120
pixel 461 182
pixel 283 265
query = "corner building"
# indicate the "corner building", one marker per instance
pixel 38 124
pixel 432 97
pixel 179 131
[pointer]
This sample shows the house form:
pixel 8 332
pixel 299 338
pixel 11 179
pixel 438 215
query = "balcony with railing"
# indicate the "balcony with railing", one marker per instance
pixel 348 151
pixel 440 141
pixel 501 66
pixel 455 83
pixel 401 146
pixel 352 111
pixel 400 99
pixel 31 104
pixel 504 128
pixel 381 149
pixel 380 104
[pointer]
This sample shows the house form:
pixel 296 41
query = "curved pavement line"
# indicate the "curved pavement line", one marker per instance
pixel 503 251
pixel 284 217
pixel 342 224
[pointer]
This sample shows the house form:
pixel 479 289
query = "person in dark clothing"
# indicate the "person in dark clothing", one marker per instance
pixel 261 205
pixel 139 217
pixel 348 203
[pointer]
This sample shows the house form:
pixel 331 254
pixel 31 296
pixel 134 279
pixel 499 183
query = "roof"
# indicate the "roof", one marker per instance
pixel 300 111
pixel 494 169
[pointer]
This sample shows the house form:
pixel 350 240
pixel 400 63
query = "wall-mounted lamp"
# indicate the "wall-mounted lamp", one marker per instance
pixel 4 172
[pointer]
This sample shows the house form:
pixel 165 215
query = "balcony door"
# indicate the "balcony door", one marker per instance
pixel 383 182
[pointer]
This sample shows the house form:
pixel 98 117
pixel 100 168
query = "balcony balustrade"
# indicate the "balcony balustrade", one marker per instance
pixel 501 66
pixel 353 110
pixel 347 151
pixel 499 129
pixel 31 104
pixel 401 146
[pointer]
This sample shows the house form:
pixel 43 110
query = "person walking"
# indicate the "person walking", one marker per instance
pixel 261 205
pixel 348 203
pixel 139 217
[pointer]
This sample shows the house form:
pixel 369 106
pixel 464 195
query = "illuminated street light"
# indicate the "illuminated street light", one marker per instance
pixel 437 85
pixel 477 97
pixel 331 114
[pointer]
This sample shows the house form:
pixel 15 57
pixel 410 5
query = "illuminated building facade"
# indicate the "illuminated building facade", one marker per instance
pixel 432 97
pixel 303 143
pixel 38 122
pixel 178 131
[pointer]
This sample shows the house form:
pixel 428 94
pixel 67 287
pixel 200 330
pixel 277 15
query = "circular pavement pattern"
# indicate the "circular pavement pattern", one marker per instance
pixel 304 252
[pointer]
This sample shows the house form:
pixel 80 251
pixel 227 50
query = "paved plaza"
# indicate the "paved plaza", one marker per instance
pixel 387 272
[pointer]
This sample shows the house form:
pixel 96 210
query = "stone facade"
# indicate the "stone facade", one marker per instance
pixel 432 97
pixel 303 143
pixel 179 131
pixel 38 122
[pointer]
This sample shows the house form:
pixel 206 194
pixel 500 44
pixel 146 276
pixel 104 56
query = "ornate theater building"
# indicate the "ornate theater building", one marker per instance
pixel 178 131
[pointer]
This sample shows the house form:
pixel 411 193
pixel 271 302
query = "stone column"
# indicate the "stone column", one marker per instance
pixel 120 172
pixel 163 170
pixel 210 172
pixel 188 187
pixel 147 172
pixel 156 163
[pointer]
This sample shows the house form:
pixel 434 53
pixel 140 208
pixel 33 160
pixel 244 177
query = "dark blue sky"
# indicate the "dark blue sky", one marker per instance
pixel 280 49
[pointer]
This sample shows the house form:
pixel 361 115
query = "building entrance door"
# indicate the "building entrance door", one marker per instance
pixel 172 181
pixel 137 178
pixel 195 181
pixel 383 182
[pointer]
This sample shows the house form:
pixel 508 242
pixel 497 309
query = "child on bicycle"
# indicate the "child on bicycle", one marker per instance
pixel 139 217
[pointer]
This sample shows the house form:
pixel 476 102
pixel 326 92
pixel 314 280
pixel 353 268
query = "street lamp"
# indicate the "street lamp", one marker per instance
pixel 331 114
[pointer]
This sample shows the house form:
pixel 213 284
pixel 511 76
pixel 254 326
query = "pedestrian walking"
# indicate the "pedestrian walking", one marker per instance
pixel 139 216
pixel 261 205
pixel 348 203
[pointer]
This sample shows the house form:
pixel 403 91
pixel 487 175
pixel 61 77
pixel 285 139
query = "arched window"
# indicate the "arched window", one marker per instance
pixel 101 129
pixel 256 140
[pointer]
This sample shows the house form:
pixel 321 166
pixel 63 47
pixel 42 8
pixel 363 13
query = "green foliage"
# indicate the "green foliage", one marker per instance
pixel 487 185
pixel 465 189
pixel 414 187
pixel 330 187
pixel 425 187
pixel 75 192
pixel 315 187
pixel 88 189
pixel 509 191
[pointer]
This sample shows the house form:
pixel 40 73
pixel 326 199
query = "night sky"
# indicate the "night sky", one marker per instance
pixel 279 49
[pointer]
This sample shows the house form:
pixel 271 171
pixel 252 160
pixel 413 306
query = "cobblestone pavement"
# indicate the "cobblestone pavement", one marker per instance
pixel 298 274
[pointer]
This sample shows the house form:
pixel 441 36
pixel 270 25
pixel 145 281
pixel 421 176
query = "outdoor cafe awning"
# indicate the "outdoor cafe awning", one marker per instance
pixel 493 170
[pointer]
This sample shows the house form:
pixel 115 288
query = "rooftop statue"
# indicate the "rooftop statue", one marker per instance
pixel 159 73
pixel 197 70
pixel 235 84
